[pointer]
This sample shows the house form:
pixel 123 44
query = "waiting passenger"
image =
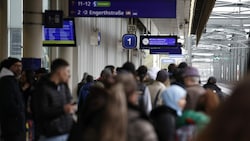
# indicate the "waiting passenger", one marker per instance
pixel 40 73
pixel 164 117
pixel 27 82
pixel 183 65
pixel 231 121
pixel 172 68
pixel 193 122
pixel 84 92
pixel 53 103
pixel 208 103
pixel 211 84
pixel 103 118
pixel 144 99
pixel 12 110
pixel 106 80
pixel 191 80
pixel 157 87
pixel 112 69
pixel 139 127
pixel 80 84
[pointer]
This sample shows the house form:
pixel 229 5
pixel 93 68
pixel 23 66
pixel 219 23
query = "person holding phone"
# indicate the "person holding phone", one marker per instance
pixel 54 107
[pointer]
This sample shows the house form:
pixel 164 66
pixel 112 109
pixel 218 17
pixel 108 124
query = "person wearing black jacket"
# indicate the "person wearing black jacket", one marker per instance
pixel 53 103
pixel 12 111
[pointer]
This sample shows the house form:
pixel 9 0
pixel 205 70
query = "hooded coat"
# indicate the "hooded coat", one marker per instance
pixel 12 111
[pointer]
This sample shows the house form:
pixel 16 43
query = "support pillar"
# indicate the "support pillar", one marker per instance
pixel 189 48
pixel 3 29
pixel 32 32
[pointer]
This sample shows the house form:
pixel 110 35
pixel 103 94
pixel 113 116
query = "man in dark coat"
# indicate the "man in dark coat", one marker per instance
pixel 53 106
pixel 12 112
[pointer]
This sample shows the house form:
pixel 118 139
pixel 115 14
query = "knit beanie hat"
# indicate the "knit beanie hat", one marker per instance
pixel 7 63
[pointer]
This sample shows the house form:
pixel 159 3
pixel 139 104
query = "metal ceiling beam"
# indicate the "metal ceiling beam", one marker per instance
pixel 226 21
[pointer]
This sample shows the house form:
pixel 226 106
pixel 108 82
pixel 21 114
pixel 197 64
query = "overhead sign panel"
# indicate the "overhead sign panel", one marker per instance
pixel 149 42
pixel 60 36
pixel 166 51
pixel 123 8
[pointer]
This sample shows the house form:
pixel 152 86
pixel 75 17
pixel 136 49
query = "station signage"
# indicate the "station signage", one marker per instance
pixel 174 51
pixel 129 41
pixel 123 8
pixel 157 42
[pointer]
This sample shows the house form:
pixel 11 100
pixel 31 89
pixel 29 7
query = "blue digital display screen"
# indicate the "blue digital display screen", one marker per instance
pixel 166 51
pixel 149 42
pixel 123 8
pixel 60 36
pixel 175 50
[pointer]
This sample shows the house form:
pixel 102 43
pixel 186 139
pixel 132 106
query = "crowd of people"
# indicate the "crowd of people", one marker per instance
pixel 123 104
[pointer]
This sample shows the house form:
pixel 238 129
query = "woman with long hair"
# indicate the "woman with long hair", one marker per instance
pixel 104 116
pixel 230 122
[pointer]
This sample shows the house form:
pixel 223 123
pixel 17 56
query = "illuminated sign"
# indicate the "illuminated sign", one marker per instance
pixel 123 8
pixel 149 42
pixel 60 36
pixel 166 51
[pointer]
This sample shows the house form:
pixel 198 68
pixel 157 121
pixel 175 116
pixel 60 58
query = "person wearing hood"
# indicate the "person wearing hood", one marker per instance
pixel 164 117
pixel 12 111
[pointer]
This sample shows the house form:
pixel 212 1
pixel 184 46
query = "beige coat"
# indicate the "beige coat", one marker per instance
pixel 154 88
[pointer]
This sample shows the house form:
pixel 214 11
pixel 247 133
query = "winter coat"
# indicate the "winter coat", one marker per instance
pixel 193 95
pixel 212 87
pixel 139 128
pixel 50 100
pixel 164 120
pixel 12 111
pixel 156 89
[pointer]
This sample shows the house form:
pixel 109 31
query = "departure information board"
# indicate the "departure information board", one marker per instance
pixel 60 36
pixel 123 8
pixel 149 42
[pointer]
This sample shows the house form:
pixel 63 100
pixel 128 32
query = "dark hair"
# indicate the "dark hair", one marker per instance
pixel 142 72
pixel 183 65
pixel 106 73
pixel 172 67
pixel 162 76
pixel 230 123
pixel 211 80
pixel 30 76
pixel 130 67
pixel 111 67
pixel 41 71
pixel 58 63
pixel 7 63
pixel 90 78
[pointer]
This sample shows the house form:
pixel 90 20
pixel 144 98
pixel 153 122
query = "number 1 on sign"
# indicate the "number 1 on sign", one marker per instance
pixel 129 41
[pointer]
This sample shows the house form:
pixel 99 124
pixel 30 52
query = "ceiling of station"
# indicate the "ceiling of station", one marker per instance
pixel 178 26
pixel 227 28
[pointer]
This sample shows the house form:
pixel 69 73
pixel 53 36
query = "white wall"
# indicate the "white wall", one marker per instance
pixel 93 59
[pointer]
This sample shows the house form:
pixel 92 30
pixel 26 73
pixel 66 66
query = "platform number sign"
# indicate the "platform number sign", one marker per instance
pixel 129 41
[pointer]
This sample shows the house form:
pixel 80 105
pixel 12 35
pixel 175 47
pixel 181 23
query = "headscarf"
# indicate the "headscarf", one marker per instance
pixel 172 96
